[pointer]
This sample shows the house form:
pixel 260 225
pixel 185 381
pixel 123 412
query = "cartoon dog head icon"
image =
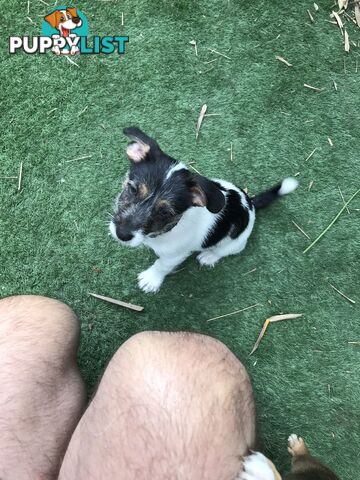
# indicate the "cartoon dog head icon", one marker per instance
pixel 64 20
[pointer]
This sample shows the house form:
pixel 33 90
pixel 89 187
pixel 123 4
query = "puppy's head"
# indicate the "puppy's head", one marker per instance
pixel 157 191
pixel 64 20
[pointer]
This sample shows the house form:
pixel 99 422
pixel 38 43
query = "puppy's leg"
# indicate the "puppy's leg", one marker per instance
pixel 211 256
pixel 297 446
pixel 150 280
pixel 303 464
pixel 258 467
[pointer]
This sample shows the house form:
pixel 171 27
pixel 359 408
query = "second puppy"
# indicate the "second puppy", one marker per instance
pixel 177 212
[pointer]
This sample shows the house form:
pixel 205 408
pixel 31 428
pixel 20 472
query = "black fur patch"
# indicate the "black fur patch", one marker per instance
pixel 264 199
pixel 233 221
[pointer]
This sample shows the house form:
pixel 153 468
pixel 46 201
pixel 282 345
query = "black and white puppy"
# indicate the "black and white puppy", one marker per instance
pixel 176 212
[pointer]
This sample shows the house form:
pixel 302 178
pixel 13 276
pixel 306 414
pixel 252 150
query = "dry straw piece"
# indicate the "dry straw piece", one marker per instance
pixel 194 44
pixel 343 4
pixel 282 59
pixel 357 13
pixel 343 294
pixel 20 176
pixel 316 89
pixel 346 41
pixel 250 271
pixel 275 318
pixel 310 155
pixel 218 53
pixel 343 199
pixel 332 223
pixel 301 230
pixel 338 20
pixel 200 119
pixel 130 306
pixel 83 157
pixel 233 313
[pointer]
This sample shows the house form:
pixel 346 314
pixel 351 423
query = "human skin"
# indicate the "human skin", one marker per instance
pixel 169 406
pixel 42 394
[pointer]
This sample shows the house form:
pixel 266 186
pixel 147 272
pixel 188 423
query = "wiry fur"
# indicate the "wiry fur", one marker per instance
pixel 176 212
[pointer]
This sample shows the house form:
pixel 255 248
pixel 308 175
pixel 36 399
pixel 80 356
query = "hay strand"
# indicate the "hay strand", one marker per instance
pixel 78 158
pixel 285 316
pixel 338 20
pixel 194 44
pixel 130 306
pixel 273 319
pixel 357 13
pixel 346 41
pixel 234 313
pixel 219 53
pixel 200 120
pixel 316 89
pixel 260 337
pixel 282 59
pixel 331 223
pixel 301 230
pixel 20 176
pixel 343 199
pixel 310 155
pixel 343 294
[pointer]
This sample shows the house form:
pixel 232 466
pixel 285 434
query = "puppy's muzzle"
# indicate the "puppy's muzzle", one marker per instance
pixel 123 233
pixel 76 20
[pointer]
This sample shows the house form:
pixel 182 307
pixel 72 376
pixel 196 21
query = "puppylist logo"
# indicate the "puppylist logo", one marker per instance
pixel 65 31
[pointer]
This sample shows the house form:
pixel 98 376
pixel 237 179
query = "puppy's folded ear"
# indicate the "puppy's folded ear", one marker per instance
pixel 137 151
pixel 139 136
pixel 51 18
pixel 206 193
pixel 142 145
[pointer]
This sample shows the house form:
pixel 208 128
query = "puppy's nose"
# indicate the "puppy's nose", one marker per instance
pixel 123 234
pixel 76 19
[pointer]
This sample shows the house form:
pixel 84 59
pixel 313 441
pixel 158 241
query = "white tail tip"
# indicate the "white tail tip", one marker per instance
pixel 288 185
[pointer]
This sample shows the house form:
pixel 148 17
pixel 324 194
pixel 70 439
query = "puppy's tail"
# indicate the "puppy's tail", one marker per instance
pixel 264 199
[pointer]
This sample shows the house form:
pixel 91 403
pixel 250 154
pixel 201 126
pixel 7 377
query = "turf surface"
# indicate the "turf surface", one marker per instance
pixel 54 238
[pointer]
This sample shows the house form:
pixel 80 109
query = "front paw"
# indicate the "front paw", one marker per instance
pixel 208 258
pixel 296 446
pixel 150 280
pixel 257 467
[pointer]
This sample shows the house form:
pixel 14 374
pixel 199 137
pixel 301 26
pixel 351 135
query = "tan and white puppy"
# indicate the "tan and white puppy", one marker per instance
pixel 64 21
pixel 304 465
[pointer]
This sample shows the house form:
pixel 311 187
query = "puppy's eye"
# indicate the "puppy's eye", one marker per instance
pixel 62 19
pixel 132 186
pixel 164 209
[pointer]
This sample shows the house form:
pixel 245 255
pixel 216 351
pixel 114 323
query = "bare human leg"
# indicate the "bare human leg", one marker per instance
pixel 41 392
pixel 169 406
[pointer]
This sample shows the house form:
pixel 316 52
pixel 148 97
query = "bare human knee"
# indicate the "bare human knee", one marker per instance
pixel 42 394
pixel 168 402
pixel 39 322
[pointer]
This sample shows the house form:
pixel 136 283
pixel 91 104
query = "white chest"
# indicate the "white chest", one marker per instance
pixel 187 236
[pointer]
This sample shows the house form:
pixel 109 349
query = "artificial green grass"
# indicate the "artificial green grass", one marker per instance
pixel 305 373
